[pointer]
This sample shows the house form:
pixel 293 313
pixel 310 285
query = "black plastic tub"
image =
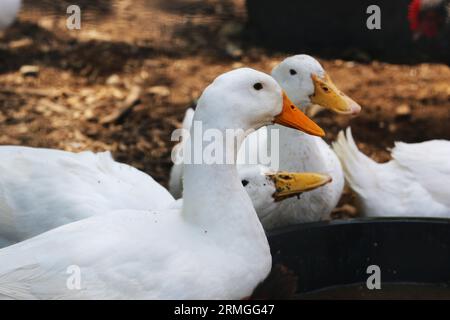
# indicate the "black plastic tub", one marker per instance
pixel 331 259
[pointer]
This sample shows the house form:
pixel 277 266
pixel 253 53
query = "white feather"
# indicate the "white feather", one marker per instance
pixel 41 189
pixel 412 184
pixel 8 12
pixel 429 162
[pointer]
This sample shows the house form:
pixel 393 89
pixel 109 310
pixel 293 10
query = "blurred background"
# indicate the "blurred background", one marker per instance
pixel 123 82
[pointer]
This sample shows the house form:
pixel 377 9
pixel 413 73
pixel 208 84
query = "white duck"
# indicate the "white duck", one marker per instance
pixel 8 12
pixel 214 247
pixel 306 83
pixel 268 189
pixel 412 184
pixel 41 189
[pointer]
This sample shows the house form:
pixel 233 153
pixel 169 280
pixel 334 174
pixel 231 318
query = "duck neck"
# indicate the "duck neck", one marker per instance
pixel 214 198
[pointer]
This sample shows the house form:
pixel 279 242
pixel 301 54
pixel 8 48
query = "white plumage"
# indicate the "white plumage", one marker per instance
pixel 176 173
pixel 41 189
pixel 260 187
pixel 214 247
pixel 308 84
pixel 412 184
pixel 8 12
pixel 304 153
pixel 298 152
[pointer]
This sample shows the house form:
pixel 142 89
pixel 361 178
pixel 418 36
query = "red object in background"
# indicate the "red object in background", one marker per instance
pixel 428 17
pixel 413 15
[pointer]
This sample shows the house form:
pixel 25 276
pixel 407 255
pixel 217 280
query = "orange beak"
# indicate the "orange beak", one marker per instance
pixel 328 96
pixel 292 117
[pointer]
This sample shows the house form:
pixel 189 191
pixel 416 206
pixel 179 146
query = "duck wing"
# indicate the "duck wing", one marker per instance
pixel 41 189
pixel 429 162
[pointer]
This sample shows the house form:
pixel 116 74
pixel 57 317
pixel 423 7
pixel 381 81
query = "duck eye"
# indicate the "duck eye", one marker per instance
pixel 292 72
pixel 244 182
pixel 258 86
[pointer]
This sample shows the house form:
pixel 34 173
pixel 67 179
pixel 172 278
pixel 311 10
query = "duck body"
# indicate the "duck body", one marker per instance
pixel 130 255
pixel 41 189
pixel 8 12
pixel 412 184
pixel 304 153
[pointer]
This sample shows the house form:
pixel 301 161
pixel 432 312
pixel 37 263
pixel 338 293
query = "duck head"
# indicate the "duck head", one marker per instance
pixel 252 99
pixel 268 189
pixel 306 83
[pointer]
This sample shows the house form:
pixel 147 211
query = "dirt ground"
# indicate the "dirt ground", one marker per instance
pixel 123 81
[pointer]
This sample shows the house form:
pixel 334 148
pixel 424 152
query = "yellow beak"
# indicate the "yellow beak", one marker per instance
pixel 292 117
pixel 327 95
pixel 290 184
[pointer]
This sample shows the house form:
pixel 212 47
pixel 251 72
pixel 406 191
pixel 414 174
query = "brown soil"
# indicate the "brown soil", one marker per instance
pixel 123 81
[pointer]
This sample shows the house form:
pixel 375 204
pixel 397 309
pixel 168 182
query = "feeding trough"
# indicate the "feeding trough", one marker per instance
pixel 333 259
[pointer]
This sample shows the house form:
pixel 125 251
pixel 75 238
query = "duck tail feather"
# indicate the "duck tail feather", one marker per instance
pixel 358 168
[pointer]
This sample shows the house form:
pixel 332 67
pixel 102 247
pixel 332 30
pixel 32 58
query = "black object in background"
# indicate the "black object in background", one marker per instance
pixel 338 29
pixel 337 253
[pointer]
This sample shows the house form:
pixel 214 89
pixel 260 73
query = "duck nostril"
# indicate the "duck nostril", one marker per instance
pixel 292 107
